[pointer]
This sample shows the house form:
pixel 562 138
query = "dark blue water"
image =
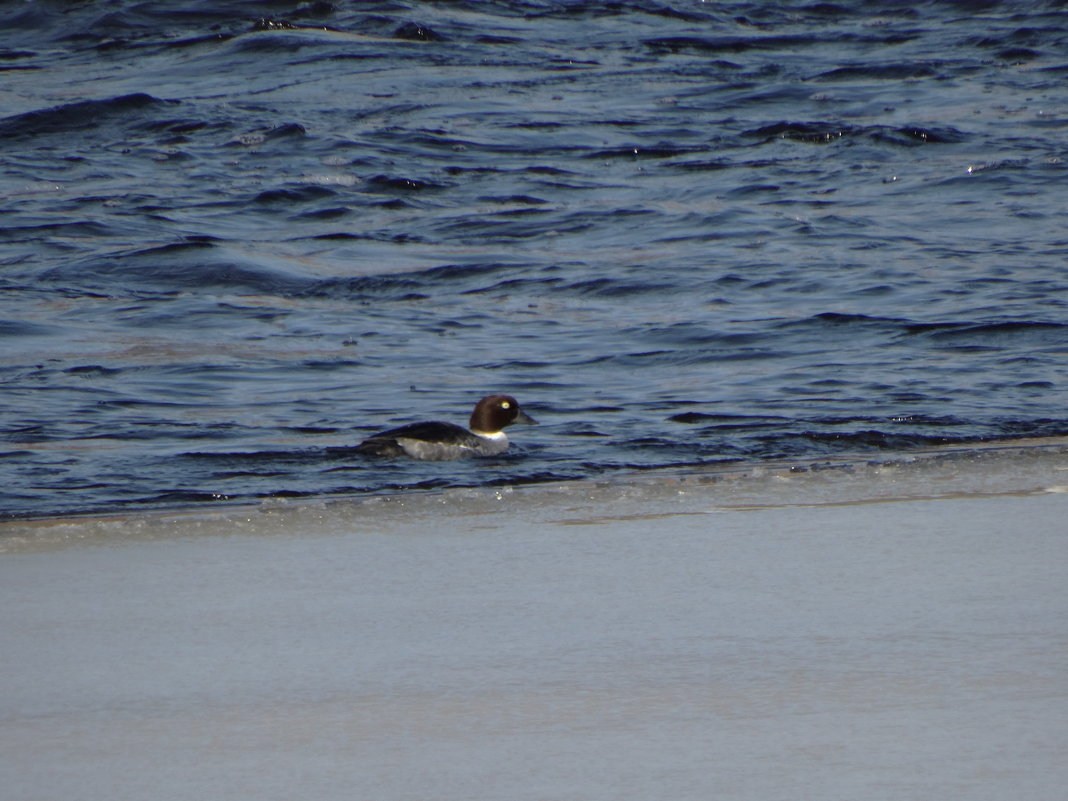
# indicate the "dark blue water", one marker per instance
pixel 237 237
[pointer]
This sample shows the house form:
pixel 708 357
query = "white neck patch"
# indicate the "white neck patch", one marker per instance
pixel 496 436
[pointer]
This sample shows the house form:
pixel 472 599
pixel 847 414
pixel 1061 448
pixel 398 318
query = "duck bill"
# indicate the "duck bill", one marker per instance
pixel 525 419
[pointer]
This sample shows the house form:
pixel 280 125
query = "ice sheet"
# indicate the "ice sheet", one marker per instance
pixel 858 631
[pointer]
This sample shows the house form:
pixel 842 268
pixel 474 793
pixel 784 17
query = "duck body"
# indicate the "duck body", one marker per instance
pixel 438 441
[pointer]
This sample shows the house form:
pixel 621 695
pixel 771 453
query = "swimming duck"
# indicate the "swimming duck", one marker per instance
pixel 437 441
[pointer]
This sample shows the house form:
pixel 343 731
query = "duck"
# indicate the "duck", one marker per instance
pixel 434 441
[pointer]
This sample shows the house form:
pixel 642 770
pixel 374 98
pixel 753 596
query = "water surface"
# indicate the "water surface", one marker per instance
pixel 235 238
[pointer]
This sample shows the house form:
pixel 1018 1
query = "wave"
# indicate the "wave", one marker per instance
pixel 80 117
pixel 997 334
pixel 823 132
pixel 706 45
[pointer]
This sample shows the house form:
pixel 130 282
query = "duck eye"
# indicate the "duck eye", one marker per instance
pixel 506 405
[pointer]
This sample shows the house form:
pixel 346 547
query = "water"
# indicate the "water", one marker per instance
pixel 235 238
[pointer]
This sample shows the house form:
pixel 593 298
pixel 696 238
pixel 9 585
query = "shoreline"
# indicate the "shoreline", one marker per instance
pixel 1005 468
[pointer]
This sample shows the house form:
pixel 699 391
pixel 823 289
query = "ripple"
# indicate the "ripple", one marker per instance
pixel 683 234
